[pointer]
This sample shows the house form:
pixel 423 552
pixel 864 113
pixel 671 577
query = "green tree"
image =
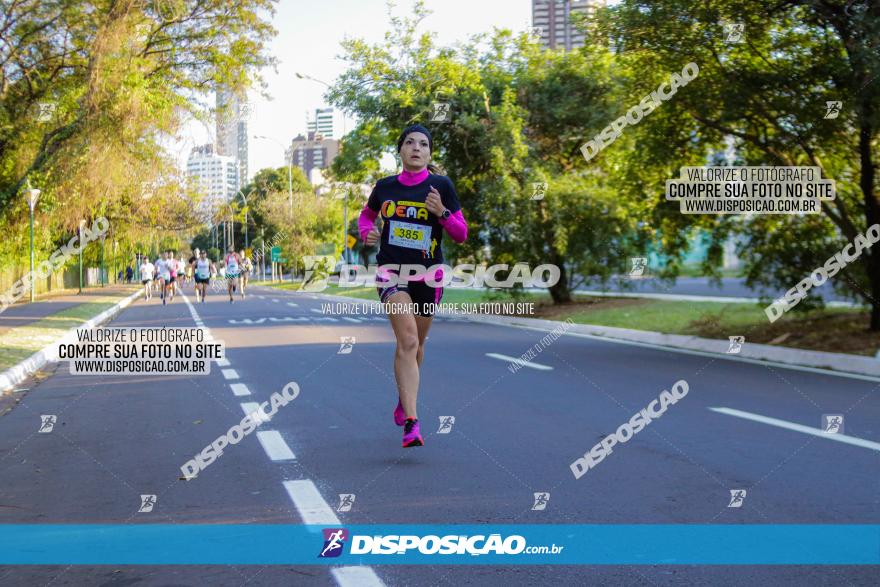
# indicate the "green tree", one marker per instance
pixel 768 94
pixel 89 93
pixel 517 116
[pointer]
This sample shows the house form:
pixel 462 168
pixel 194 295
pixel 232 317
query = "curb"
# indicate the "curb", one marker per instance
pixel 751 352
pixel 18 373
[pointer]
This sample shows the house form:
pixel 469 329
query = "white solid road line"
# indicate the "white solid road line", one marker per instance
pixel 308 502
pixel 520 362
pixel 723 357
pixel 275 447
pixel 800 428
pixel 356 577
pixel 254 408
pixel 230 373
pixel 239 389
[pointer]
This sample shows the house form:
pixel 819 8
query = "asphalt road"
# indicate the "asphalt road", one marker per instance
pixel 514 434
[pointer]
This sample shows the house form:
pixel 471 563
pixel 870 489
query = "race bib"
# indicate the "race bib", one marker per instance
pixel 411 236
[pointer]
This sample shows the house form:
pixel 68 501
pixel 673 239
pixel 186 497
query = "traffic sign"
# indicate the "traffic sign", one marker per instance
pixel 276 255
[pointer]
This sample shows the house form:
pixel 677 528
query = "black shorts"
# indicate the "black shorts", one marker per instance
pixel 424 296
pixel 202 279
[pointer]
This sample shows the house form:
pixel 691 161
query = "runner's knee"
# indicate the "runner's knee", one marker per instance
pixel 408 343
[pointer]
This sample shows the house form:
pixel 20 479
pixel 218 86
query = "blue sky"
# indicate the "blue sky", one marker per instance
pixel 308 42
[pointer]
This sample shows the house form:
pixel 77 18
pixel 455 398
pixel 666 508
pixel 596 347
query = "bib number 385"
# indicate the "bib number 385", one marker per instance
pixel 408 235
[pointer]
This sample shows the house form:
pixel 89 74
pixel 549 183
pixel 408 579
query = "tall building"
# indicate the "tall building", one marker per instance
pixel 554 19
pixel 322 122
pixel 216 176
pixel 232 130
pixel 312 152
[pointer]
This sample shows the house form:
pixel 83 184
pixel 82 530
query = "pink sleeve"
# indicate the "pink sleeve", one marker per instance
pixel 365 222
pixel 456 226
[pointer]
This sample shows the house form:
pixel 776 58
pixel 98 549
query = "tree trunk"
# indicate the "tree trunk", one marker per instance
pixel 559 292
pixel 872 206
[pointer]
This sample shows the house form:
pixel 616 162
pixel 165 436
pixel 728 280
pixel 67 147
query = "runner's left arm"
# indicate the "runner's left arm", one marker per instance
pixel 455 225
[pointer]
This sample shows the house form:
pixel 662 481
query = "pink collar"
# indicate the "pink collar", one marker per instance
pixel 409 178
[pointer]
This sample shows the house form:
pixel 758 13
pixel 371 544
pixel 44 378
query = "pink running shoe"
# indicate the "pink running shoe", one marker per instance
pixel 411 436
pixel 399 414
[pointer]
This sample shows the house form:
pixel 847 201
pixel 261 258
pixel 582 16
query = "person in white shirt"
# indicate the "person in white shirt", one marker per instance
pixel 147 278
pixel 246 267
pixel 233 270
pixel 163 267
pixel 204 268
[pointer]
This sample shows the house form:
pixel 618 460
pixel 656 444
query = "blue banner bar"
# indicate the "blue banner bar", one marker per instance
pixel 527 544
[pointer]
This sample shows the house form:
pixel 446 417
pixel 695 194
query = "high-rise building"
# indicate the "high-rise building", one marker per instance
pixel 554 19
pixel 232 130
pixel 312 152
pixel 216 176
pixel 322 122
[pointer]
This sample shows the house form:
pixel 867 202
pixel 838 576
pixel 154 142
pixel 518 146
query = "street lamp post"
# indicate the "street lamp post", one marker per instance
pixel 81 247
pixel 323 83
pixel 244 199
pixel 103 266
pixel 33 195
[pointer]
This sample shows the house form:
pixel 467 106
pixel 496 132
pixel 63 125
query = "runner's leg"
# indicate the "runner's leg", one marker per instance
pixel 406 363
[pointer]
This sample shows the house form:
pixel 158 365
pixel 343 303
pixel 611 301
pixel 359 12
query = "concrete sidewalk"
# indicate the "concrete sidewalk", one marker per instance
pixel 22 314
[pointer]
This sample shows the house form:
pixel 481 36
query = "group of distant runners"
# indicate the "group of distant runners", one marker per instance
pixel 169 274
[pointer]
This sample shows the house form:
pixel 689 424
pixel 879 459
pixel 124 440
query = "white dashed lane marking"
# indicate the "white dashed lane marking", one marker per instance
pixel 239 389
pixel 253 408
pixel 308 502
pixel 520 362
pixel 837 437
pixel 275 447
pixel 356 577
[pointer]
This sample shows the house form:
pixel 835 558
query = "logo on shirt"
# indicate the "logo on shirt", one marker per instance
pixel 404 209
